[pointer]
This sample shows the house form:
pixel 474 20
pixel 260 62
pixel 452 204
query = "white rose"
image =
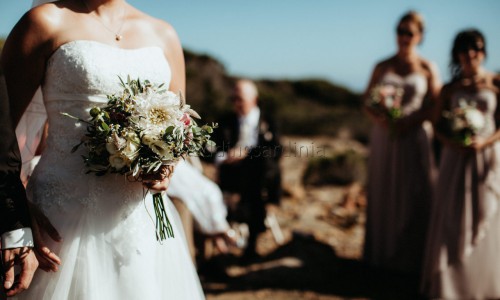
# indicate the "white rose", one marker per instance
pixel 111 147
pixel 115 143
pixel 132 137
pixel 161 148
pixel 148 139
pixel 131 151
pixel 118 161
pixel 475 119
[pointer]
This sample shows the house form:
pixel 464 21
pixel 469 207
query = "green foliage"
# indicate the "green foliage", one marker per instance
pixel 300 107
pixel 323 92
pixel 341 168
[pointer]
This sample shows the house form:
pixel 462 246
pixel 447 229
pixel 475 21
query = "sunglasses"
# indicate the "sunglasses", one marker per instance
pixel 405 32
pixel 474 47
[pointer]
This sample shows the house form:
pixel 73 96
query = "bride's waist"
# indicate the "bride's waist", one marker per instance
pixel 63 184
pixel 54 96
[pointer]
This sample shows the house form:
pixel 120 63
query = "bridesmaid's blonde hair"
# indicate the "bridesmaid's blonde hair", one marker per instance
pixel 414 17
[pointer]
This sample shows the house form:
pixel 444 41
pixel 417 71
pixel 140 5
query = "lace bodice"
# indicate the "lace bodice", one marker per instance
pixel 78 76
pixel 92 68
pixel 414 86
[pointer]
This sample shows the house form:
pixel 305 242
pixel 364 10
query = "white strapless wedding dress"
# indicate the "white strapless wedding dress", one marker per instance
pixel 109 249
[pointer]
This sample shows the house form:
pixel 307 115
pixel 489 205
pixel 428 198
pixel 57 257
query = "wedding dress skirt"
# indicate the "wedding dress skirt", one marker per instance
pixel 109 249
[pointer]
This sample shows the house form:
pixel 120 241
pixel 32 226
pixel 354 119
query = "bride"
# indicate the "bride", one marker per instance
pixel 75 50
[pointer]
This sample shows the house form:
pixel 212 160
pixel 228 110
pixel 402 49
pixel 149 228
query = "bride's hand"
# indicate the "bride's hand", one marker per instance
pixel 40 225
pixel 161 180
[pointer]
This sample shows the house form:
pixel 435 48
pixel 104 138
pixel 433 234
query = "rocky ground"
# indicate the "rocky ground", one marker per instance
pixel 320 257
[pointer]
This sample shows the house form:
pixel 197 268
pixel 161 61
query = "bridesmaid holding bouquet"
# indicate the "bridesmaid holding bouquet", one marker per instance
pixel 399 100
pixel 464 235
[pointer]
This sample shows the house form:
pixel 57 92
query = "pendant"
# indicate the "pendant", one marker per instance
pixel 118 37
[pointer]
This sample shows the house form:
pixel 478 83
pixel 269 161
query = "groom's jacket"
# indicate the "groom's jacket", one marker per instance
pixel 13 203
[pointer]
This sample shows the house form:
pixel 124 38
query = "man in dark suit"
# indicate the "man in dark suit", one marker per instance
pixel 248 158
pixel 15 222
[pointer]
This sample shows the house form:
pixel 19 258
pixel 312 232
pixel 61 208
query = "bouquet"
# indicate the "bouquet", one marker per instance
pixel 385 99
pixel 142 132
pixel 465 121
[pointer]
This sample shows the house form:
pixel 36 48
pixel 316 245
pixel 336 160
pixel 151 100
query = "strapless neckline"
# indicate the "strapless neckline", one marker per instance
pixel 74 42
pixel 409 75
pixel 87 67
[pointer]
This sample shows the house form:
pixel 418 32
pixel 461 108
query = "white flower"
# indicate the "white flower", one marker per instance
pixel 475 119
pixel 148 139
pixel 466 116
pixel 111 147
pixel 118 161
pixel 114 143
pixel 161 148
pixel 130 151
pixel 155 112
pixel 131 136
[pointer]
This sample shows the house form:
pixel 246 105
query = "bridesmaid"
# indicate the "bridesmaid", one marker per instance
pixel 401 163
pixel 464 237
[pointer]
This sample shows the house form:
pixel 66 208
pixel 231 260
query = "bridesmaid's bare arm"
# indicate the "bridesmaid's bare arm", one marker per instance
pixel 378 72
pixel 433 92
pixel 495 86
pixel 442 104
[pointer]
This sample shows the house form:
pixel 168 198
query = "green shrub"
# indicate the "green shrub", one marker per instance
pixel 342 168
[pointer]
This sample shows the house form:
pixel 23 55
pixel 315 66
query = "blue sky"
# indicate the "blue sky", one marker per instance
pixel 337 40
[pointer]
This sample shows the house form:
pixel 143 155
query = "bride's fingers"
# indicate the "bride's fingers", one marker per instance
pixel 48 261
pixel 51 255
pixel 157 184
pixel 46 265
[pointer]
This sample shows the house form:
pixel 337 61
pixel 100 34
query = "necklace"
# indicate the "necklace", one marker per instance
pixel 118 36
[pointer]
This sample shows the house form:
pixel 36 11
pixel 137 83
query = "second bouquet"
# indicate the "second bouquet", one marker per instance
pixel 142 132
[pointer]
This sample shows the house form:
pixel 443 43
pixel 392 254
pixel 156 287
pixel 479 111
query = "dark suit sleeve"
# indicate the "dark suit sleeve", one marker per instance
pixel 272 151
pixel 14 212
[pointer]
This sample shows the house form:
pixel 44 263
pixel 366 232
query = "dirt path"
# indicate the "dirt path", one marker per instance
pixel 320 256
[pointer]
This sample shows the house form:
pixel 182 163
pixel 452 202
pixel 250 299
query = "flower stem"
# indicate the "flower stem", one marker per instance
pixel 164 228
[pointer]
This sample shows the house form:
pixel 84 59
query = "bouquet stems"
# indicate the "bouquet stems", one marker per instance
pixel 164 229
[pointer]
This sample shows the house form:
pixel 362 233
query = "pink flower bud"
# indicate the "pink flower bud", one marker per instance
pixel 186 119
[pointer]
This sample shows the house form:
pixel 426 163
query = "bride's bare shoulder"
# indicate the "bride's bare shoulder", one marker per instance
pixel 46 17
pixel 161 29
pixel 37 28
